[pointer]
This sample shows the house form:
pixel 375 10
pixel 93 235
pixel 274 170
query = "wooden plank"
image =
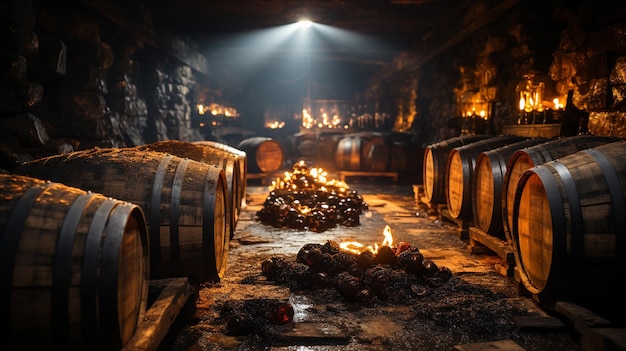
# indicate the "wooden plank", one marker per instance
pixel 533 130
pixel 315 334
pixel 157 320
pixel 498 246
pixel 604 339
pixel 582 318
pixel 535 324
pixel 463 225
pixel 498 345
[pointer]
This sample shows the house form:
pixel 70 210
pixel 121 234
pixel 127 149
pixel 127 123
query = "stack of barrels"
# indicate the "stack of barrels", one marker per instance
pixel 85 232
pixel 377 152
pixel 559 203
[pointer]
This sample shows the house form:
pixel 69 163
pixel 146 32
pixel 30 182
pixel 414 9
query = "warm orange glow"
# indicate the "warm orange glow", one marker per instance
pixel 357 247
pixel 557 104
pixel 318 174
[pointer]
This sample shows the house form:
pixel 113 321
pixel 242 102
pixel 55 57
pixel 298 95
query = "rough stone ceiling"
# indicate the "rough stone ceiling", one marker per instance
pixel 388 18
pixel 383 28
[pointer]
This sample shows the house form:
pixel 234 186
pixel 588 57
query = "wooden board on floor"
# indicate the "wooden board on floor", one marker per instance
pixel 479 239
pixel 158 318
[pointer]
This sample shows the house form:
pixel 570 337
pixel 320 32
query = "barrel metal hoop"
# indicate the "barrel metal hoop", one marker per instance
pixel 90 283
pixel 62 269
pixel 109 270
pixel 8 247
pixel 616 193
pixel 208 217
pixel 551 188
pixel 545 154
pixel 575 243
pixel 155 210
pixel 177 188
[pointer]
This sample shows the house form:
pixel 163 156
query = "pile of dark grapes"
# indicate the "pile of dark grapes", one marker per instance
pixel 301 200
pixel 396 274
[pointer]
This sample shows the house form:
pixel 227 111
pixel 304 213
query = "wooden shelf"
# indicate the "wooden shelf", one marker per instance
pixel 533 130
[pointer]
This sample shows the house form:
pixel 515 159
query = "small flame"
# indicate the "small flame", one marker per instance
pixel 388 241
pixel 357 248
pixel 352 246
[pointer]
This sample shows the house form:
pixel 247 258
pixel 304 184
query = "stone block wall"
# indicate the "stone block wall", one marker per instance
pixel 573 45
pixel 73 80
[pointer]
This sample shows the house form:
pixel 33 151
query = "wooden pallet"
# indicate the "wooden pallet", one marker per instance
pixel 597 333
pixel 480 242
pixel 422 201
pixel 344 174
pixel 160 315
pixel 462 225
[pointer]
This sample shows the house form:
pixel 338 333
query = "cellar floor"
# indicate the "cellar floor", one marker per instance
pixel 476 309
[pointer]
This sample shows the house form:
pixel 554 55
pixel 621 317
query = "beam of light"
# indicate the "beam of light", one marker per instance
pixel 305 23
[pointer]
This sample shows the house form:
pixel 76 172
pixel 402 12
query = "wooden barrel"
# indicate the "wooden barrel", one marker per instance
pixel 324 151
pixel 435 163
pixel 242 164
pixel 375 152
pixel 460 173
pixel 487 185
pixel 363 151
pixel 568 226
pixel 74 267
pixel 348 153
pixel 184 201
pixel 265 155
pixel 209 156
pixel 526 158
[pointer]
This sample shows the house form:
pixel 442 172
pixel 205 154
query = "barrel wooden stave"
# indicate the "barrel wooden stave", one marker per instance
pixel 460 172
pixel 264 155
pixel 184 202
pixel 211 156
pixel 64 253
pixel 526 158
pixel 348 153
pixel 375 152
pixel 435 161
pixel 569 220
pixel 241 163
pixel 324 149
pixel 487 185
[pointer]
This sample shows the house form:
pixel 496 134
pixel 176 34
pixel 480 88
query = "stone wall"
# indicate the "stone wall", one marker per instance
pixel 74 80
pixel 572 45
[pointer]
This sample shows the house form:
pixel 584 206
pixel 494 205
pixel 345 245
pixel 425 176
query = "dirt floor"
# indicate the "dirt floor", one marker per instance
pixel 476 308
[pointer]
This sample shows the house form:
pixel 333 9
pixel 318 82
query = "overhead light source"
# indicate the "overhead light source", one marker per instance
pixel 305 23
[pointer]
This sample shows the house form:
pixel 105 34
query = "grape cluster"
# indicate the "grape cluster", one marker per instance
pixel 305 200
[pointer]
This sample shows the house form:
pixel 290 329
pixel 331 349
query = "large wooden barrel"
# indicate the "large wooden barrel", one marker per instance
pixel 74 267
pixel 375 152
pixel 242 163
pixel 184 201
pixel 363 151
pixel 460 173
pixel 569 226
pixel 265 155
pixel 324 150
pixel 487 185
pixel 211 156
pixel 526 158
pixel 348 153
pixel 435 163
